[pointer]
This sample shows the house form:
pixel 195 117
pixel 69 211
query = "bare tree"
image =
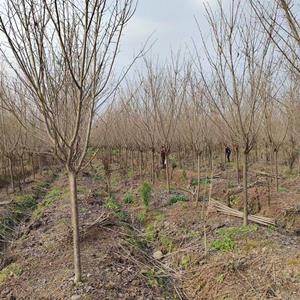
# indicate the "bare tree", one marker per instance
pixel 237 64
pixel 280 19
pixel 64 54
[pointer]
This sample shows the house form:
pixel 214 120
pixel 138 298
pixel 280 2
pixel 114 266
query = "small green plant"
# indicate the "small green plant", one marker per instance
pixel 166 243
pixel 155 278
pixel 141 216
pixel 25 202
pixel 185 261
pixel 233 232
pixel 128 198
pixel 113 205
pixel 271 228
pixel 220 278
pixel 225 244
pixel 130 173
pixel 146 193
pixel 177 198
pixel 234 200
pixel 151 232
pixel 12 270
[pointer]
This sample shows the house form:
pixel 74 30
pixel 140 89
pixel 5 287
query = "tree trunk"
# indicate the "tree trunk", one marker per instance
pixel 126 158
pixel 11 174
pixel 237 165
pixel 40 165
pixel 245 186
pixel 32 166
pixel 23 170
pixel 153 166
pixel 141 163
pixel 269 191
pixel 167 173
pixel 132 160
pixel 276 170
pixel 5 176
pixel 198 177
pixel 75 226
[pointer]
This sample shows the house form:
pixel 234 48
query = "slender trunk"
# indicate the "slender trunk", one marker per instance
pixel 11 174
pixel 237 166
pixel 75 226
pixel 180 159
pixel 153 166
pixel 126 158
pixel 267 154
pixel 23 170
pixel 167 173
pixel 269 191
pixel 132 161
pixel 198 177
pixel 5 176
pixel 245 184
pixel 108 183
pixel 210 160
pixel 276 170
pixel 193 160
pixel 141 163
pixel 40 165
pixel 18 171
pixel 32 166
pixel 256 154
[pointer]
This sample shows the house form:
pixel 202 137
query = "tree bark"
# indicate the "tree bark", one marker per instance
pixel 141 163
pixel 11 174
pixel 32 166
pixel 75 226
pixel 167 173
pixel 198 179
pixel 245 186
pixel 23 170
pixel 153 166
pixel 237 165
pixel 276 170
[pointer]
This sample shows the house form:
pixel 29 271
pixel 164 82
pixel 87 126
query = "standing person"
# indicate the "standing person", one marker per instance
pixel 163 157
pixel 228 153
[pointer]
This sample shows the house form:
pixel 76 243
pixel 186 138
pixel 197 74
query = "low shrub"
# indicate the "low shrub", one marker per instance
pixel 177 198
pixel 146 193
pixel 128 198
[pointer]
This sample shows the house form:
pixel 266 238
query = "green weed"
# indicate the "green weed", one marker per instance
pixel 145 192
pixel 185 261
pixel 128 198
pixel 225 244
pixel 113 205
pixel 177 198
pixel 12 270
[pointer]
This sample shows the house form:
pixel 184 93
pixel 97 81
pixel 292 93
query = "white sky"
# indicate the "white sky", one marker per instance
pixel 171 23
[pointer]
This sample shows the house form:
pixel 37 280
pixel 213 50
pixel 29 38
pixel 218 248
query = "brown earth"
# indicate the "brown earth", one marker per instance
pixel 117 252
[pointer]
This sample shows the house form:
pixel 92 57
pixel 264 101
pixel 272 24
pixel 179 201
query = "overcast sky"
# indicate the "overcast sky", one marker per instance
pixel 171 23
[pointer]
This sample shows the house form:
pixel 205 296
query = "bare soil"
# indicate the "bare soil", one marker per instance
pixel 117 253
